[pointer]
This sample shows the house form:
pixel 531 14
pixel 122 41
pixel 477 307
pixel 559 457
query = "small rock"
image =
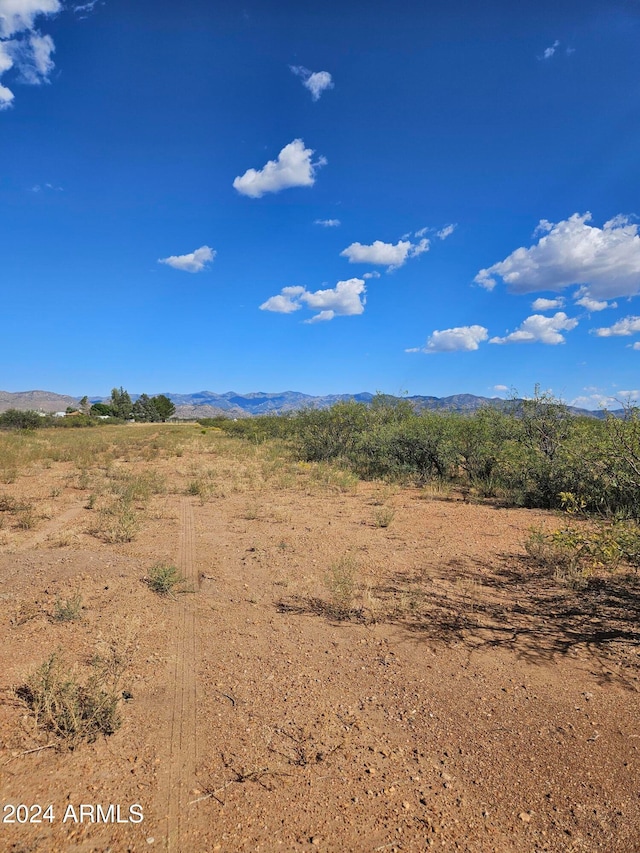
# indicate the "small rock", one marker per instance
pixel 406 805
pixel 315 841
pixel 151 840
pixel 525 817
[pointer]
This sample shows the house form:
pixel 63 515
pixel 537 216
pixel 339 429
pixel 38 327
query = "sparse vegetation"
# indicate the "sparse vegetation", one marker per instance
pixel 69 610
pixel 117 522
pixel 69 710
pixel 342 585
pixel 164 578
pixel 383 517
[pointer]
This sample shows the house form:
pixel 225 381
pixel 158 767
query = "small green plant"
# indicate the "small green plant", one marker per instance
pixel 200 489
pixel 164 578
pixel 91 500
pixel 67 709
pixel 69 610
pixel 383 517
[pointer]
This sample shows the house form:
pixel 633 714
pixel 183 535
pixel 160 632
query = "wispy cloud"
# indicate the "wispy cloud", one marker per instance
pixel 327 223
pixel 38 188
pixel 373 274
pixel 315 81
pixel 501 389
pixel 549 51
pixel 540 329
pixel 195 261
pixel 385 254
pixel 605 261
pixel 458 339
pixel 347 298
pixel 447 231
pixel 623 328
pixel 83 9
pixel 23 48
pixel 293 168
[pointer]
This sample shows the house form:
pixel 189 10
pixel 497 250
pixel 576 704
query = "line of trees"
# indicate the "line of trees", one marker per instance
pixel 146 409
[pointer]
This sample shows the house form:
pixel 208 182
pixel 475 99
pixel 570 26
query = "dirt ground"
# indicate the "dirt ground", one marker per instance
pixel 347 667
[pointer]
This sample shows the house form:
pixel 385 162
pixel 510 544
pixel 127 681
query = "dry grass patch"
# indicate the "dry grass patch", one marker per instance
pixel 69 710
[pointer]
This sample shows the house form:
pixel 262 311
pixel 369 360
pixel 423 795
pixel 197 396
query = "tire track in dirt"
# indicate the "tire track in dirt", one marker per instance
pixel 181 775
pixel 52 527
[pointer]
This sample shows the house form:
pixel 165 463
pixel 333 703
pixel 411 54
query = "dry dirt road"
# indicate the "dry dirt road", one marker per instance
pixel 320 681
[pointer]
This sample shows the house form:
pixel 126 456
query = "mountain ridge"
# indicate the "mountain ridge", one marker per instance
pixel 204 403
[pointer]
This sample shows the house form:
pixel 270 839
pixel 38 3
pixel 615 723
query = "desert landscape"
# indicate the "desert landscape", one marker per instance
pixel 211 645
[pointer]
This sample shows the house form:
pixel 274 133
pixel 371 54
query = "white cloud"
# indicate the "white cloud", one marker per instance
pixel 591 304
pixel 549 51
pixel 500 388
pixel 374 274
pixel 32 58
pixel 385 254
pixel 327 223
pixel 547 304
pixel 293 168
pixel 594 401
pixel 85 7
pixel 606 261
pixel 286 302
pixel 595 304
pixel 635 346
pixel 540 329
pixel 16 16
pixel 347 298
pixel 193 262
pixel 623 328
pixel 447 231
pixel 23 48
pixel 459 339
pixel 315 81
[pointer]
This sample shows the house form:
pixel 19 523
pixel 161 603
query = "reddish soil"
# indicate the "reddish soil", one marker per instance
pixel 326 683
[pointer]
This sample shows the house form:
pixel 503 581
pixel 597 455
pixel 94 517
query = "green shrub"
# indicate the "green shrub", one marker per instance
pixel 164 578
pixel 17 419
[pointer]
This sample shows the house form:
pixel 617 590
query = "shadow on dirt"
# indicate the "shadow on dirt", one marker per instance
pixel 512 603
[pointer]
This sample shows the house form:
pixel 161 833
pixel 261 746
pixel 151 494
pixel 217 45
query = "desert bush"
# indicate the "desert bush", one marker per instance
pixel 67 709
pixel 342 585
pixel 164 578
pixel 17 419
pixel 69 610
pixel 383 517
pixel 577 551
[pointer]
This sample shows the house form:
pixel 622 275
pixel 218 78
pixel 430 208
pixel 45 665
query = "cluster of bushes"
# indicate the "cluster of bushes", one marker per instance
pixel 119 409
pixel 18 419
pixel 534 453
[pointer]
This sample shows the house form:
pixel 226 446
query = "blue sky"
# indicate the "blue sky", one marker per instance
pixel 432 198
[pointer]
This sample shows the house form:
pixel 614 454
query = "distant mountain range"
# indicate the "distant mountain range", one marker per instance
pixel 207 404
